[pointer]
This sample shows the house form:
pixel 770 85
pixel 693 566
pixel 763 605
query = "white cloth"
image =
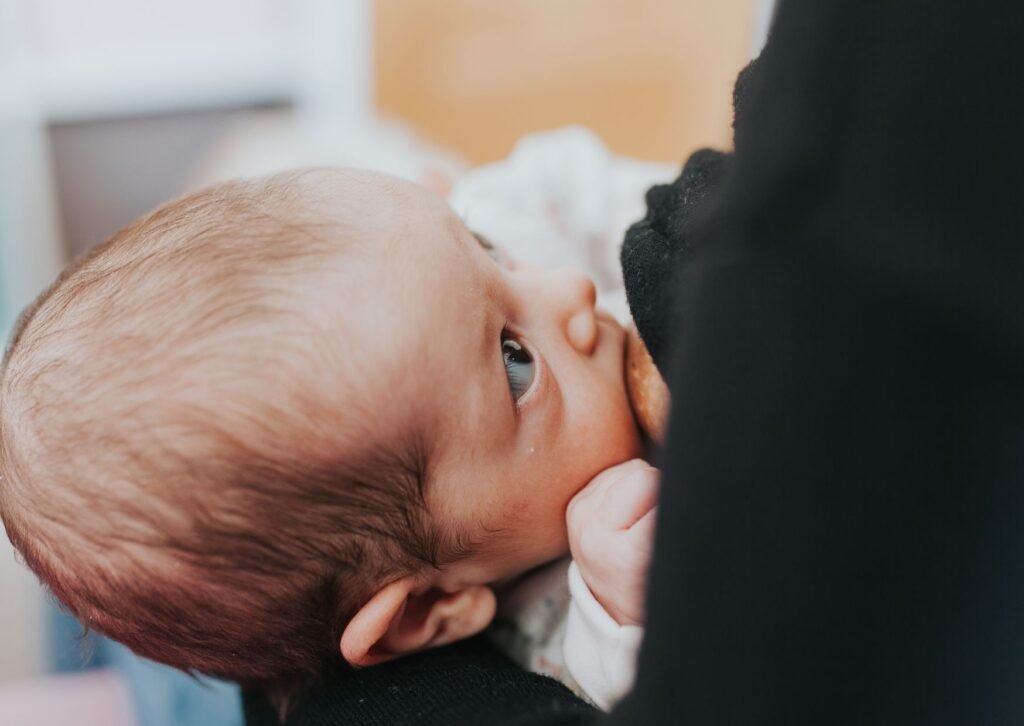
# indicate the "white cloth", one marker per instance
pixel 531 620
pixel 550 623
pixel 561 199
pixel 599 653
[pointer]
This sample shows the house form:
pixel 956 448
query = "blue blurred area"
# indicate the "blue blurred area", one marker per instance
pixel 163 696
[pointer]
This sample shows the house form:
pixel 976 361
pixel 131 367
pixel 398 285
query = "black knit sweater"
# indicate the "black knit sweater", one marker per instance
pixel 470 682
pixel 840 534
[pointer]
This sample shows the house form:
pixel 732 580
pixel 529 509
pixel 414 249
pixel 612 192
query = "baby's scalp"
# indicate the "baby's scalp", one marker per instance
pixel 186 458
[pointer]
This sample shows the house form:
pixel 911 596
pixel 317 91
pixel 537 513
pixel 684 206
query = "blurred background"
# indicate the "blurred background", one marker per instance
pixel 110 107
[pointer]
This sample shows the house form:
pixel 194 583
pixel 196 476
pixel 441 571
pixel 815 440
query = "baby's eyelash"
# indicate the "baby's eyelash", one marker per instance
pixel 520 366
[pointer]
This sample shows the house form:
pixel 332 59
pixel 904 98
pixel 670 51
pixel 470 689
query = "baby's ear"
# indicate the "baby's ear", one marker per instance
pixel 406 616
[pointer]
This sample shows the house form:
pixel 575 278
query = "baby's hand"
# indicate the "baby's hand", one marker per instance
pixel 611 534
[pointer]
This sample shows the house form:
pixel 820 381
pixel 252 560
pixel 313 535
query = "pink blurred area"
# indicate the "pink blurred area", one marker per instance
pixel 95 698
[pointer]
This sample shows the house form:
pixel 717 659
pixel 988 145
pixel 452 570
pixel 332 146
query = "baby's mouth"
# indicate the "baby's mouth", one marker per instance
pixel 609 320
pixel 611 333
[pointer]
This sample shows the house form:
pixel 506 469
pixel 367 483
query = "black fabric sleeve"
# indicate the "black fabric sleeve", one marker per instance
pixel 840 537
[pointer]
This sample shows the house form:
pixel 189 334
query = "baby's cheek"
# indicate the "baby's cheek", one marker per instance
pixel 535 498
pixel 520 509
pixel 613 435
pixel 539 515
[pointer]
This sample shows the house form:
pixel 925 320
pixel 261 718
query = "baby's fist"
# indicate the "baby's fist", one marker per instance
pixel 611 534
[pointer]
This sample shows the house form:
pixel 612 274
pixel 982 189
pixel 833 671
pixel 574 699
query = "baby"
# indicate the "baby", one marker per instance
pixel 312 413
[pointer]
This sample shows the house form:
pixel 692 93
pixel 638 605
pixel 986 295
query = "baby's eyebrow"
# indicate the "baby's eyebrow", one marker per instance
pixel 496 253
pixel 484 242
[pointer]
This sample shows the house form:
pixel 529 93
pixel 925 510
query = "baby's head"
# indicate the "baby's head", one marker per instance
pixel 282 417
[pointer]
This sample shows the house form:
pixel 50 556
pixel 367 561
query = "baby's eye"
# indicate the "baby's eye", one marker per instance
pixel 518 366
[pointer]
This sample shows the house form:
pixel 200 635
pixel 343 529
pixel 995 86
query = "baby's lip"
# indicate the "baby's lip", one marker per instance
pixel 609 320
pixel 607 317
pixel 618 339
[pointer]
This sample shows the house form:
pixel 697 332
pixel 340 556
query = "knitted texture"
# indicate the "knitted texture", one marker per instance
pixel 659 246
pixel 657 249
pixel 469 682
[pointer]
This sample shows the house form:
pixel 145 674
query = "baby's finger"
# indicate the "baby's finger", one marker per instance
pixel 589 498
pixel 632 497
pixel 641 534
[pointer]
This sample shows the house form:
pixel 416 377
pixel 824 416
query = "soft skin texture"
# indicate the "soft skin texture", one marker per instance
pixel 500 470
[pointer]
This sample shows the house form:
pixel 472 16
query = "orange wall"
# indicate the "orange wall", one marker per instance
pixel 653 77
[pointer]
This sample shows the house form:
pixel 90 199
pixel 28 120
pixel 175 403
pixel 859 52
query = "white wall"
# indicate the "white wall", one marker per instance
pixel 30 255
pixel 764 11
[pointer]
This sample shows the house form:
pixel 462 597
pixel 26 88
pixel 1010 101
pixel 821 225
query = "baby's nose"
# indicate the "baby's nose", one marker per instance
pixel 582 331
pixel 578 296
